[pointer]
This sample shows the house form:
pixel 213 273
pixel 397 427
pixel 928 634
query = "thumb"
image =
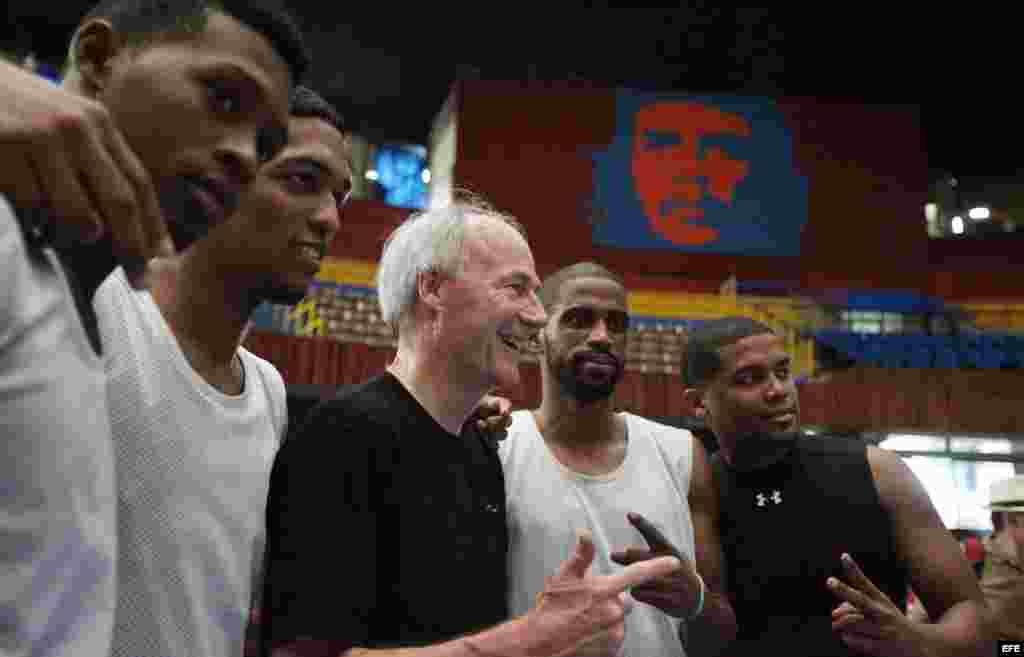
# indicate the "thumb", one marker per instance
pixel 578 564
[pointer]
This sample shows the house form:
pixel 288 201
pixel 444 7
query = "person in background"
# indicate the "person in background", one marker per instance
pixel 1002 580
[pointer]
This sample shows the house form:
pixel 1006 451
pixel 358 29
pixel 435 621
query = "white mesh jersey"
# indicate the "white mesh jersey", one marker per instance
pixel 548 503
pixel 57 504
pixel 193 467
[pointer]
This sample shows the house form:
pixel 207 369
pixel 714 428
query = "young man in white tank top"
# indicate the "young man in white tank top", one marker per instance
pixel 197 419
pixel 575 464
pixel 90 180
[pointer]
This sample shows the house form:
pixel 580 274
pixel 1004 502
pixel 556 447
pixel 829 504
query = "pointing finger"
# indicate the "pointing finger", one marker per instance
pixel 636 574
pixel 654 537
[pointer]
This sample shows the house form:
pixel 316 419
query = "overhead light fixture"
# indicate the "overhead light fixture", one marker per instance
pixel 957 224
pixel 979 213
pixel 425 176
pixel 931 211
pixel 371 174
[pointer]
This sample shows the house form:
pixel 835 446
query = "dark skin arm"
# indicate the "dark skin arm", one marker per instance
pixel 75 178
pixel 677 594
pixel 493 416
pixel 868 621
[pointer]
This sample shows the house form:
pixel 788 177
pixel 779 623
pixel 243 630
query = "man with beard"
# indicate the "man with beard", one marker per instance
pixel 575 464
pixel 811 521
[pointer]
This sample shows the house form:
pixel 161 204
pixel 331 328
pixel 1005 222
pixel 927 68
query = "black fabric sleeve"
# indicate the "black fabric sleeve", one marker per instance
pixel 321 565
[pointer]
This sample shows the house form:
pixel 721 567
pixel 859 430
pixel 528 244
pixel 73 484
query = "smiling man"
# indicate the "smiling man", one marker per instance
pixel 196 418
pixel 821 534
pixel 386 519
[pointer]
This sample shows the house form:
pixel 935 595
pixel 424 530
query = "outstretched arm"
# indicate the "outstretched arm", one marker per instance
pixel 695 592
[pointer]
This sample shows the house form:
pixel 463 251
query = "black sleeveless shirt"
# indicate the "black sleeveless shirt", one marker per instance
pixel 784 527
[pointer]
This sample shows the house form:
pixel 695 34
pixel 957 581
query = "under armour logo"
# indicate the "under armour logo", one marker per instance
pixel 776 497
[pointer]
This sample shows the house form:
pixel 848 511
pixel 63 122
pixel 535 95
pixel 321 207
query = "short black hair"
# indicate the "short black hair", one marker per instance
pixel 551 290
pixel 306 103
pixel 701 360
pixel 142 21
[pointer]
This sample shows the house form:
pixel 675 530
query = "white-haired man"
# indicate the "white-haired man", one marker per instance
pixel 386 517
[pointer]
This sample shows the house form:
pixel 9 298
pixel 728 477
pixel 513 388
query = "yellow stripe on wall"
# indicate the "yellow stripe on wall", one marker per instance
pixel 342 271
pixel 780 314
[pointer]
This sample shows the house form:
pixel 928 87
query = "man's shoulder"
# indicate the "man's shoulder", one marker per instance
pixel 522 431
pixel 850 471
pixel 354 418
pixel 522 425
pixel 262 371
pixel 374 400
pixel 825 446
pixel 113 289
pixel 123 311
pixel 521 440
pixel 14 267
pixel 658 431
pixel 8 220
pixel 264 368
pixel 522 419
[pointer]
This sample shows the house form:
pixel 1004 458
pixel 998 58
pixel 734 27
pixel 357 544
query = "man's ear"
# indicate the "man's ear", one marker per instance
pixel 696 399
pixel 96 44
pixel 428 287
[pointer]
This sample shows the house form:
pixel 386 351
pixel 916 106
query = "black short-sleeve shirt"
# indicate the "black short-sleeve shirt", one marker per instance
pixel 383 529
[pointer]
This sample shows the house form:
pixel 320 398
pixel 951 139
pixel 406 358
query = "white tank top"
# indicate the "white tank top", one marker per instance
pixel 548 504
pixel 57 528
pixel 193 470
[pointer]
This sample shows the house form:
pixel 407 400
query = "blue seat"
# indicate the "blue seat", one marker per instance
pixel 874 351
pixel 1013 349
pixel 921 356
pixel 946 358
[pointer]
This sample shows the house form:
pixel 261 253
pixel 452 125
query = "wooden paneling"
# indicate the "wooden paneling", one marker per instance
pixel 319 361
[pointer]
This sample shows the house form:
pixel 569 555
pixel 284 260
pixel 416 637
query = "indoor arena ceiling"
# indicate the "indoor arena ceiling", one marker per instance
pixel 389 65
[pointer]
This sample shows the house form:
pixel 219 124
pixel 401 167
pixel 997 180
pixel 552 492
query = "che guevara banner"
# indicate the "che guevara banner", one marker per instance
pixel 699 173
